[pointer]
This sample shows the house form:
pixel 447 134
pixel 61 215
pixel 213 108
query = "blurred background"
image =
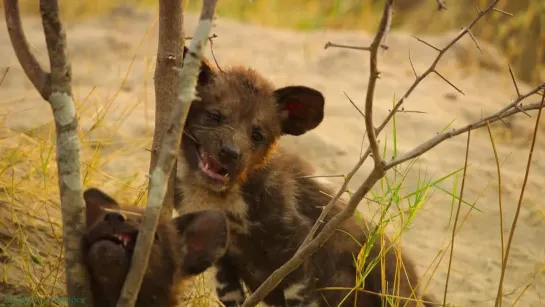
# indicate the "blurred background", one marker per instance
pixel 521 37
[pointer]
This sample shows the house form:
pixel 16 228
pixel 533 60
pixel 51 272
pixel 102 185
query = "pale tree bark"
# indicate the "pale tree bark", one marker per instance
pixel 166 80
pixel 167 153
pixel 55 87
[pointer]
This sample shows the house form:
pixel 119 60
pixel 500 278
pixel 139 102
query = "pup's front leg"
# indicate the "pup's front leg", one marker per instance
pixel 229 288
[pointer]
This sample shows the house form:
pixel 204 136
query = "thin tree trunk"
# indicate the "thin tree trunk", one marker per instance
pixel 55 87
pixel 167 80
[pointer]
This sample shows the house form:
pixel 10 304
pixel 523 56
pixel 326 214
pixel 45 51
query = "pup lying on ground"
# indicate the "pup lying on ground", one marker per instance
pixel 183 247
pixel 229 161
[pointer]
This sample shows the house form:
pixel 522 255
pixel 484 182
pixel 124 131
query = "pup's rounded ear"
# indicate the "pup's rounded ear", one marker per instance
pixel 206 74
pixel 95 200
pixel 301 108
pixel 204 236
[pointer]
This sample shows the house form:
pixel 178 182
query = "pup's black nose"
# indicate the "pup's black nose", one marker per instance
pixel 229 153
pixel 113 217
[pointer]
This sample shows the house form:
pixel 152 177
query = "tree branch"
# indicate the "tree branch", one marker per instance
pixel 166 81
pixel 56 88
pixel 167 156
pixel 511 110
pixel 34 71
pixel 398 105
pixel 436 61
pixel 373 76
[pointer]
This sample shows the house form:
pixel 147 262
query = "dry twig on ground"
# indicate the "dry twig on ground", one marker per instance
pixel 312 243
pixel 168 151
pixel 55 87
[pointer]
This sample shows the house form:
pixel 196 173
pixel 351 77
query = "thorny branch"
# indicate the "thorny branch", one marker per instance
pixel 311 243
pixel 167 155
pixel 392 112
pixel 373 76
pixel 507 111
pixel 55 87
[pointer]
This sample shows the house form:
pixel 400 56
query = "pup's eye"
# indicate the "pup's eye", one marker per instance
pixel 256 135
pixel 214 115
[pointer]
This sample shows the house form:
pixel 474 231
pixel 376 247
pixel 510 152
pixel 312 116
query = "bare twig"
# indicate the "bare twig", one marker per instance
pixel 456 218
pixel 55 87
pixel 167 155
pixel 519 204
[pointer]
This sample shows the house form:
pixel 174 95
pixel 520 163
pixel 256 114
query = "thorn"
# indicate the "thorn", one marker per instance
pixel 427 44
pixel 503 12
pixel 330 44
pixel 354 104
pixel 514 80
pixel 412 66
pixel 4 75
pixel 474 40
pixel 447 81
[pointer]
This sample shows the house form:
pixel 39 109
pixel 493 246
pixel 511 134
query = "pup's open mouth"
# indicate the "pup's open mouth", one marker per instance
pixel 124 239
pixel 211 167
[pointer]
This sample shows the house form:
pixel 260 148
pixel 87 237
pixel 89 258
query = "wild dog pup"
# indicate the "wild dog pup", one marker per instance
pixel 229 160
pixel 183 247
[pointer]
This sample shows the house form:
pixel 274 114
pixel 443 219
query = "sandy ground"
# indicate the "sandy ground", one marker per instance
pixel 102 50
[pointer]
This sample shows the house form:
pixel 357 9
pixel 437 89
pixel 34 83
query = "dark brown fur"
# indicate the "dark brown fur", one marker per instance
pixel 270 206
pixel 183 247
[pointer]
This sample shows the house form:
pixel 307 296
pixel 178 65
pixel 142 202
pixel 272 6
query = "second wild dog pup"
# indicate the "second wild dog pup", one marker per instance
pixel 229 160
pixel 184 246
